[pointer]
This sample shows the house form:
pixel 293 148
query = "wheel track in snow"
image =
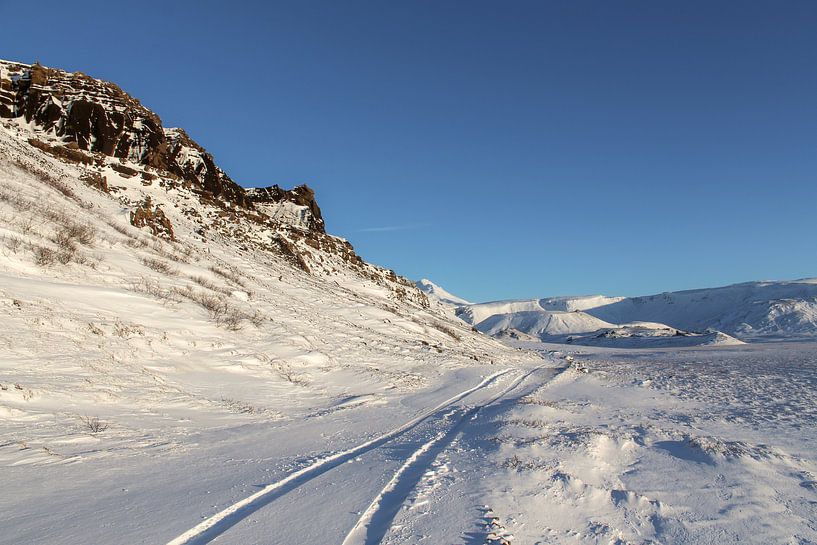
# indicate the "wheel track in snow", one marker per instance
pixel 214 526
pixel 374 523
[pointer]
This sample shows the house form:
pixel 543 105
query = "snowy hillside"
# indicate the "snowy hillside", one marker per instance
pixel 436 293
pixel 753 311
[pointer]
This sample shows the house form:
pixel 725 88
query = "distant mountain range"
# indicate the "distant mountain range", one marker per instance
pixel 751 312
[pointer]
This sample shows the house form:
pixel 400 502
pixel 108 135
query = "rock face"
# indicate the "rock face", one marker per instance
pixel 91 115
pixel 295 206
pixel 154 218
pixel 169 185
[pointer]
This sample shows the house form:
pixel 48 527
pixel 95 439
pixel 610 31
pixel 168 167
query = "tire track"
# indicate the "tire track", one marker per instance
pixel 212 527
pixel 375 522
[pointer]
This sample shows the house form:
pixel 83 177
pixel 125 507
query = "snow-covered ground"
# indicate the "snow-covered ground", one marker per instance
pixel 700 445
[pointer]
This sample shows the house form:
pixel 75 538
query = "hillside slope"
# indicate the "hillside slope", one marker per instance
pixel 138 296
pixel 752 311
pixel 436 293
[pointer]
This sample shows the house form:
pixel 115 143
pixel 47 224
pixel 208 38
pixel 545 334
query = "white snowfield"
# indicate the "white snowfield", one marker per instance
pixel 207 390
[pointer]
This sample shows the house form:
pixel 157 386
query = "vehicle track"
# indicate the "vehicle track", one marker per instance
pixel 376 520
pixel 212 527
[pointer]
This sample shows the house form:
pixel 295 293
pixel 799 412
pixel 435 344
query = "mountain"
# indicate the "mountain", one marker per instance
pixel 143 287
pixel 752 311
pixel 436 293
pixel 749 311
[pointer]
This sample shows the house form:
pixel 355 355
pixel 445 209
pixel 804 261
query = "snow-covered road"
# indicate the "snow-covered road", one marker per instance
pixel 330 477
pixel 332 489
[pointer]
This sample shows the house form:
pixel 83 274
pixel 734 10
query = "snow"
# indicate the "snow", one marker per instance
pixel 754 311
pixel 695 446
pixel 542 323
pixel 439 294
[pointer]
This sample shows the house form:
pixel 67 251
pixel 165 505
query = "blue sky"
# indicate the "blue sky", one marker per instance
pixel 502 149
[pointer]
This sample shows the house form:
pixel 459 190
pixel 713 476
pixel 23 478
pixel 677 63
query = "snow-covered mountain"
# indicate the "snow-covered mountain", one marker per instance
pixel 751 311
pixel 438 294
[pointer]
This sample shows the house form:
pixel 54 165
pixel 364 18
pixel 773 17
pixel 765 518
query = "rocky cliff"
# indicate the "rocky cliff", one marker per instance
pixel 73 111
pixel 169 185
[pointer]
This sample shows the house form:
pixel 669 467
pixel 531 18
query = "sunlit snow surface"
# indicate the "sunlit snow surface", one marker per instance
pixel 692 446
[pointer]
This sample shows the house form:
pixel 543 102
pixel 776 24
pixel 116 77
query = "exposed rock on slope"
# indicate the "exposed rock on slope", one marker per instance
pixel 78 113
pixel 296 206
pixel 97 116
pixel 119 146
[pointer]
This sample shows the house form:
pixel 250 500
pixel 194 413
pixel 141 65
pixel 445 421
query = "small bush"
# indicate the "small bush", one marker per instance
pixel 256 318
pixel 94 424
pixel 229 275
pixel 122 229
pixel 13 243
pixel 16 200
pixel 150 286
pixel 159 266
pixel 75 232
pixel 205 283
pixel 50 180
pixel 448 331
pixel 220 309
pixel 136 243
pixel 213 304
pixel 231 319
pixel 286 372
pixel 44 256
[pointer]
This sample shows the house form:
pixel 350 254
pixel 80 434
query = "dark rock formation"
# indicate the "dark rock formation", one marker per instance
pixel 152 217
pixel 302 196
pixel 98 117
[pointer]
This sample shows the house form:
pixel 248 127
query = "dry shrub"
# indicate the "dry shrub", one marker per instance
pixel 159 266
pixel 122 229
pixel 44 256
pixel 206 283
pixel 16 200
pixel 228 274
pixel 70 233
pixel 220 309
pixel 94 424
pixel 136 243
pixel 168 253
pixel 50 180
pixel 13 243
pixel 286 372
pixel 448 331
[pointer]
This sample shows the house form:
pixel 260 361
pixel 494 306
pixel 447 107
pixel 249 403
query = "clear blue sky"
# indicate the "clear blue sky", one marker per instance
pixel 502 149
